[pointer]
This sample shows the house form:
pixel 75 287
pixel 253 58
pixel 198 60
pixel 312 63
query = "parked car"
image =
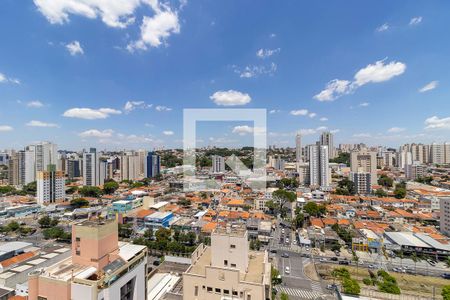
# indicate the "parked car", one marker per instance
pixel 331 287
pixel 334 259
pixel 323 259
pixel 372 267
pixel 337 253
pixel 285 255
pixel 287 270
pixel 446 275
pixel 344 262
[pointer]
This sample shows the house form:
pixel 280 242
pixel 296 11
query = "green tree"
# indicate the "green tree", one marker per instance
pixel 399 192
pixel 299 220
pixel 385 181
pixel 90 191
pixel 346 187
pixel 446 292
pixel 7 189
pixel 381 193
pixel 79 202
pixel 351 286
pixel 13 226
pixel 110 187
pixel 72 190
pixel 45 221
pixel 30 188
pixel 284 296
pixel 275 275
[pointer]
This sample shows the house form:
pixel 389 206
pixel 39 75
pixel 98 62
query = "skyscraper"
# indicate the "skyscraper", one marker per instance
pixel 319 172
pixel 45 154
pixel 364 161
pixel 298 148
pixel 50 186
pixel 153 165
pixel 218 164
pixel 91 168
pixel 326 139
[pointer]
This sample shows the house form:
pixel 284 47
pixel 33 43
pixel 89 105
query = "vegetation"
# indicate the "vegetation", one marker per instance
pixel 79 202
pixel 90 191
pixel 284 296
pixel 287 183
pixel 282 197
pixel 425 180
pixel 275 275
pixel 399 192
pixel 385 181
pixel 446 292
pixel 46 222
pixel 381 193
pixel 343 158
pixel 346 187
pixel 57 233
pixel 387 284
pixel 255 244
pixel 349 285
pixel 312 209
pixel 110 187
pixel 7 189
pixel 343 233
pixel 162 241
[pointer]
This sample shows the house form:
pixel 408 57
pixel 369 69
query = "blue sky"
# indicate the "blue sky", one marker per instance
pixel 371 71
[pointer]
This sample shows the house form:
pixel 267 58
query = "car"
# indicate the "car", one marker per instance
pixel 334 259
pixel 372 267
pixel 446 275
pixel 287 241
pixel 285 255
pixel 396 269
pixel 307 248
pixel 331 287
pixel 273 251
pixel 344 262
pixel 287 270
pixel 156 263
pixel 337 253
pixel 323 259
pixel 431 262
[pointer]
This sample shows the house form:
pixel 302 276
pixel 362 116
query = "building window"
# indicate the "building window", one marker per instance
pixel 235 293
pixel 218 290
pixel 209 289
pixel 226 292
pixel 233 265
pixel 233 246
pixel 225 263
pixel 196 291
pixel 249 297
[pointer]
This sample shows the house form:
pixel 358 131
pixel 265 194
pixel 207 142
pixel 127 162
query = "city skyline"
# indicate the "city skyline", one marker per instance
pixel 103 77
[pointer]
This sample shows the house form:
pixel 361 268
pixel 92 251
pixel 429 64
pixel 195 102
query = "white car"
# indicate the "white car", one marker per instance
pixel 287 270
pixel 323 259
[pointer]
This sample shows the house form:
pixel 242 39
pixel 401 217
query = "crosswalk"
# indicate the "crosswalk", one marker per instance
pixel 302 294
pixel 316 286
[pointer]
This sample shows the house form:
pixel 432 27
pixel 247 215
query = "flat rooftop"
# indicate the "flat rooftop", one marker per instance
pixel 255 272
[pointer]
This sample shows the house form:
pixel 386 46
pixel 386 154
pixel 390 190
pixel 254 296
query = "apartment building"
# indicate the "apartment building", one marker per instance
pixel 50 186
pixel 100 267
pixel 365 161
pixel 228 269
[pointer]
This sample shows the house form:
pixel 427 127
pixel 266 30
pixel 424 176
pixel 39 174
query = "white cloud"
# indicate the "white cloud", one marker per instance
pixel 5 79
pixel 379 72
pixel 35 123
pixel 254 71
pixel 372 73
pixel 107 133
pixel 299 112
pixel 264 53
pixel 312 115
pixel 245 129
pixel 168 132
pixel 230 98
pixel 382 27
pixel 323 119
pixel 114 13
pixel 274 111
pixel 35 104
pixel 415 21
pixel 4 128
pixel 90 114
pixel 364 104
pixel 74 48
pixel 396 130
pixel 430 86
pixel 272 35
pixel 334 131
pixel 437 123
pixel 156 30
pixel 162 108
pixel 132 105
pixel 362 135
pixel 333 90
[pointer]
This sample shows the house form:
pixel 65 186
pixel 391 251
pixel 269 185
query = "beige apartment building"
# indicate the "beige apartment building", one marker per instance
pixel 227 269
pixel 364 161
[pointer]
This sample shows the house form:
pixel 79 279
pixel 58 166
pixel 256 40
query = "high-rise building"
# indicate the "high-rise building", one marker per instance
pixel 326 139
pixel 130 166
pixel 13 170
pixel 153 165
pixel 415 171
pixel 218 164
pixel 362 181
pixel 99 268
pixel 45 154
pixel 278 163
pixel 73 168
pixel 364 161
pixel 228 269
pixel 91 168
pixel 440 153
pixel 319 171
pixel 445 215
pixel 21 167
pixel 420 153
pixel 4 159
pixel 50 186
pixel 298 148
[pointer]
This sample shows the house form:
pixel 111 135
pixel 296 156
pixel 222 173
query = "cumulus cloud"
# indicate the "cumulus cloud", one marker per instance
pixel 254 71
pixel 156 30
pixel 230 98
pixel 429 86
pixel 299 112
pixel 364 104
pixel 35 123
pixel 382 27
pixel 380 71
pixel 245 129
pixel 132 105
pixel 90 114
pixel 162 108
pixel 74 48
pixel 437 123
pixel 396 130
pixel 168 132
pixel 312 115
pixel 274 111
pixel 107 133
pixel 323 119
pixel 6 79
pixel 415 21
pixel 4 128
pixel 264 53
pixel 35 104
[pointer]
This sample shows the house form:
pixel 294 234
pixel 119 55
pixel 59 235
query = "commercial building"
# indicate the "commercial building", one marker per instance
pixel 218 164
pixel 91 168
pixel 129 167
pixel 298 148
pixel 364 161
pixel 50 186
pixel 153 165
pixel 326 139
pixel 158 219
pixel 227 269
pixel 100 267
